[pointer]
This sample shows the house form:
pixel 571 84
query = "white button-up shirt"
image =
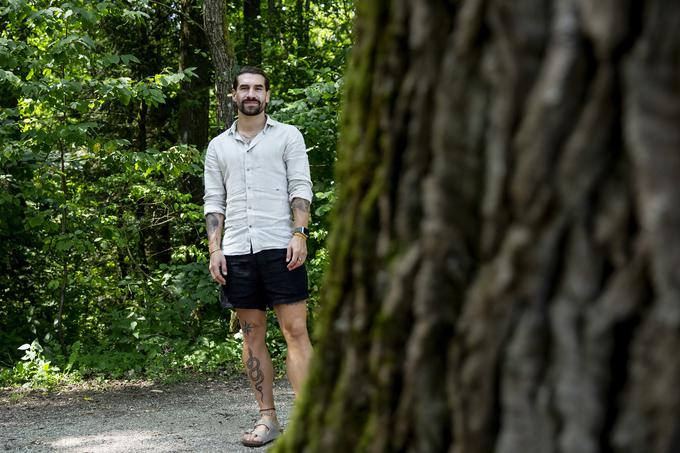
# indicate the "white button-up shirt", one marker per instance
pixel 252 184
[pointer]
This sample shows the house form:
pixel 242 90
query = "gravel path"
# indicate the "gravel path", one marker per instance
pixel 130 417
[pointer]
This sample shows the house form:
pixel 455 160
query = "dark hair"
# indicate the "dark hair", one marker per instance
pixel 251 70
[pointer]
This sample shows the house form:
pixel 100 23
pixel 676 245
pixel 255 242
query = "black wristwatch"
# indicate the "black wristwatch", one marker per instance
pixel 302 230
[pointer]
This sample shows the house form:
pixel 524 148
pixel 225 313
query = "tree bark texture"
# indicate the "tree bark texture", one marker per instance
pixel 505 257
pixel 223 60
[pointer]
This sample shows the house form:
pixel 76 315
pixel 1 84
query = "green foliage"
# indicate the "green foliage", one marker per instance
pixel 102 236
pixel 35 371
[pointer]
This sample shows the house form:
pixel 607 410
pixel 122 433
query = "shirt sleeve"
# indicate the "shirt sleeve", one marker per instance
pixel 215 197
pixel 297 167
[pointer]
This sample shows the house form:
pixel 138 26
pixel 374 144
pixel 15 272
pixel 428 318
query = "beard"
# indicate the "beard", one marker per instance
pixel 251 109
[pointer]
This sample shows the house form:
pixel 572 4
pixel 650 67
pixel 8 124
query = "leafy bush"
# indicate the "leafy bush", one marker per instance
pixel 35 371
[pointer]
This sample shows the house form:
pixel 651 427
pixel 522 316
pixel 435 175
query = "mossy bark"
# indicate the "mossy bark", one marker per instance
pixel 505 272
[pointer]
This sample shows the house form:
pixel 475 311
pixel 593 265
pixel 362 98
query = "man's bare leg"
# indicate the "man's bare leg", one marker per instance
pixel 293 321
pixel 258 365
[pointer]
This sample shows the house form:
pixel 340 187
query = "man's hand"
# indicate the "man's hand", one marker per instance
pixel 297 247
pixel 297 252
pixel 214 223
pixel 218 267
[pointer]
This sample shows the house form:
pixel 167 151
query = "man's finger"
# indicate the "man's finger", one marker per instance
pixel 295 262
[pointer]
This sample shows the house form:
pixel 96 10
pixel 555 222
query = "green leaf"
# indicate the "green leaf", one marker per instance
pixel 129 58
pixel 10 77
pixel 64 244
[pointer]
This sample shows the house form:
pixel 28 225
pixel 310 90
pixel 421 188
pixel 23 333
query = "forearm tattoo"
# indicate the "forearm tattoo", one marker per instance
pixel 255 374
pixel 214 223
pixel 301 204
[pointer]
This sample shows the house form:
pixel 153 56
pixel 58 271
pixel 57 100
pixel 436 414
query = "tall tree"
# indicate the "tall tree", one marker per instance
pixel 252 32
pixel 302 27
pixel 273 21
pixel 194 99
pixel 505 261
pixel 223 59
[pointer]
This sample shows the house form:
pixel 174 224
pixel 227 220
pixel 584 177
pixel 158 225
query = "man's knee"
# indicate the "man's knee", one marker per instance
pixel 294 329
pixel 254 331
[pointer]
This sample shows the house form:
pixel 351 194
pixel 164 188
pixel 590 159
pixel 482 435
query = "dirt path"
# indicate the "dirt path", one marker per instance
pixel 197 417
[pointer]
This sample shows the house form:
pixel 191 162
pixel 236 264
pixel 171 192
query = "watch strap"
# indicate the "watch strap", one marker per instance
pixel 301 230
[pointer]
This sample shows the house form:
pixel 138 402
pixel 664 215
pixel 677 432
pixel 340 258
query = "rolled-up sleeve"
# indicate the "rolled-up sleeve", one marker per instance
pixel 297 167
pixel 214 199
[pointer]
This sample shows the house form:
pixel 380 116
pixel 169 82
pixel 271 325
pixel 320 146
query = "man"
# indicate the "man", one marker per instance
pixel 256 175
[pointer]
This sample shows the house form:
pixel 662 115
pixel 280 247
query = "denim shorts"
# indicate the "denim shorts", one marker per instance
pixel 261 280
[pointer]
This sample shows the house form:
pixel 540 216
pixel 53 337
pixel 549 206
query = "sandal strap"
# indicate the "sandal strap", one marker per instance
pixel 259 424
pixel 262 422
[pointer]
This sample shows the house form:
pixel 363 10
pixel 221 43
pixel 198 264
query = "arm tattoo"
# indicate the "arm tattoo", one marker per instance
pixel 213 222
pixel 301 204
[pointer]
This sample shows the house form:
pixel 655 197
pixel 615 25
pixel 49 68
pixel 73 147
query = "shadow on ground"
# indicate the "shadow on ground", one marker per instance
pixel 205 416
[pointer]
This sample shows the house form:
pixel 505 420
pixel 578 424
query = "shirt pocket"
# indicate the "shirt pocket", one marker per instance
pixel 273 203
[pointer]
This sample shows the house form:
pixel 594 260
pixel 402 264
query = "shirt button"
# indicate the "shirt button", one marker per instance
pixel 250 226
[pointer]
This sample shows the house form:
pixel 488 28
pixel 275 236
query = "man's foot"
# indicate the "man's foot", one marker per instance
pixel 266 429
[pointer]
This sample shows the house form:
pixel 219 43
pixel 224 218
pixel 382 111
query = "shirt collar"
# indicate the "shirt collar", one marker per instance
pixel 269 123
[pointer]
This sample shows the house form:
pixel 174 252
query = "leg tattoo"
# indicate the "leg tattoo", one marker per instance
pixel 255 374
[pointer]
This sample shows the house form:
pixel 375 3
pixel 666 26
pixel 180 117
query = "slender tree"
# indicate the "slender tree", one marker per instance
pixel 252 32
pixel 223 59
pixel 273 21
pixel 505 261
pixel 302 27
pixel 194 98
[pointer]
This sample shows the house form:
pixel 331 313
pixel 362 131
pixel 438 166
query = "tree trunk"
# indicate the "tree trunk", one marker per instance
pixel 274 22
pixel 194 102
pixel 194 97
pixel 505 259
pixel 302 27
pixel 223 60
pixel 252 32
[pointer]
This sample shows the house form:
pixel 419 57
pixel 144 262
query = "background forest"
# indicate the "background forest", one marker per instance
pixel 106 110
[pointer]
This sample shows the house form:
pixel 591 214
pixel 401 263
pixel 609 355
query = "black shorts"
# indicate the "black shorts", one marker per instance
pixel 261 280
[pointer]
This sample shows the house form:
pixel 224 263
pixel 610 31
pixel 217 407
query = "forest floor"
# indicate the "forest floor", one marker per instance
pixel 205 416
